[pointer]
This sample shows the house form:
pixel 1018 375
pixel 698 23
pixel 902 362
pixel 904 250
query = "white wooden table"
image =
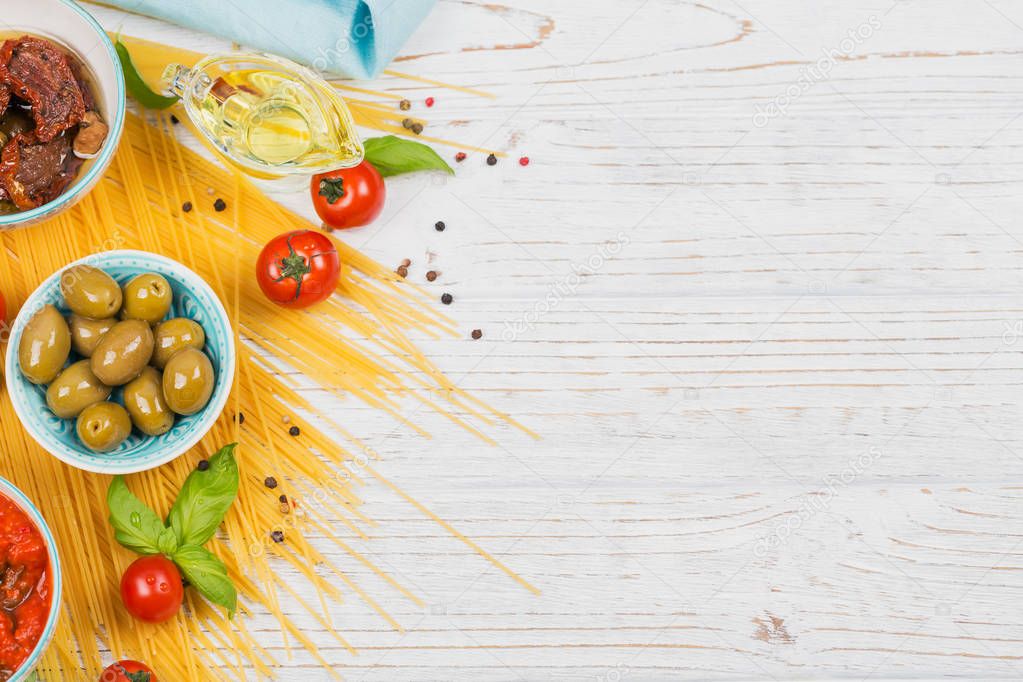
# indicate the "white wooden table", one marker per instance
pixel 760 291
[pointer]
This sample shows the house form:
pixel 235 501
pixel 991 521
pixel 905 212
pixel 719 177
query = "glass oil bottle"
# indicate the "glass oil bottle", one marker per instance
pixel 269 116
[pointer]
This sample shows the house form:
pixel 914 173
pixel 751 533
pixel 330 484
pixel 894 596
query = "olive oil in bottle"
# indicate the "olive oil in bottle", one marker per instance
pixel 268 115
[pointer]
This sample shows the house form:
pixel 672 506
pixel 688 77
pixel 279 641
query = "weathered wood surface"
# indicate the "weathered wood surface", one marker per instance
pixel 766 313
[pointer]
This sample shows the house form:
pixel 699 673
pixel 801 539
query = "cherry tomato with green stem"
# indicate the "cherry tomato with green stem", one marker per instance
pixel 128 671
pixel 298 269
pixel 349 197
pixel 151 589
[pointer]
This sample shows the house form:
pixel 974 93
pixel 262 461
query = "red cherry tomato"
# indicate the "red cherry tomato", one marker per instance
pixel 298 269
pixel 349 197
pixel 151 589
pixel 128 671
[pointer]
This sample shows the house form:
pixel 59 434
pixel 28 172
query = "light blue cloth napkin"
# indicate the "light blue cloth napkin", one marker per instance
pixel 356 38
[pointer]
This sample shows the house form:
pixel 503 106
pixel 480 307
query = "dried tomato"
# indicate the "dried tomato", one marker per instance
pixel 38 72
pixel 33 172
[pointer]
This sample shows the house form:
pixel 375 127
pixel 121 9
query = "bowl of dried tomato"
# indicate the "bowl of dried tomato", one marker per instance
pixel 31 579
pixel 62 107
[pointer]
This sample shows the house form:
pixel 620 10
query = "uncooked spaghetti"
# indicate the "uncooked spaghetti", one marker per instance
pixel 138 205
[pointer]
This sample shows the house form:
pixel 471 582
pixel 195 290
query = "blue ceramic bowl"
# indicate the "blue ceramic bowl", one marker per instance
pixel 193 299
pixel 7 488
pixel 67 23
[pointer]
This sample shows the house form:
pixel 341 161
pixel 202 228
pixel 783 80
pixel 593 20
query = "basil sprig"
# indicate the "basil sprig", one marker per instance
pixel 136 526
pixel 204 499
pixel 393 155
pixel 137 87
pixel 197 512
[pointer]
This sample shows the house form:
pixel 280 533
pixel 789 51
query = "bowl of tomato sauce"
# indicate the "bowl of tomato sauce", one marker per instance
pixel 30 584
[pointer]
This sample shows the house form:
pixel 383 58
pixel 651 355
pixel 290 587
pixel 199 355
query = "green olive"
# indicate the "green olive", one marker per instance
pixel 90 292
pixel 103 426
pixel 86 333
pixel 123 352
pixel 188 381
pixel 143 398
pixel 45 345
pixel 174 335
pixel 147 297
pixel 75 389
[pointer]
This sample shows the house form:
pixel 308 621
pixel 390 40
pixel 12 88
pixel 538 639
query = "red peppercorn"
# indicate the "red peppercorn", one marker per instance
pixel 524 161
pixel 429 101
pixel 460 157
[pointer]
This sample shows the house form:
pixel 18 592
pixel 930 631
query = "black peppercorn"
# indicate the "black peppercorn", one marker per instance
pixel 282 498
pixel 446 299
pixel 439 226
pixel 203 465
pixel 294 431
pixel 477 334
pixel 219 205
pixel 174 119
pixel 186 207
pixel 270 482
pixel 277 536
pixel 491 160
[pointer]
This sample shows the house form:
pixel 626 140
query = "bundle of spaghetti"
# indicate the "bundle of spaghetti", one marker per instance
pixel 353 346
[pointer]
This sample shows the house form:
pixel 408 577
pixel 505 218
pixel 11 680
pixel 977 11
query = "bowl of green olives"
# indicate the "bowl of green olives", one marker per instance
pixel 120 362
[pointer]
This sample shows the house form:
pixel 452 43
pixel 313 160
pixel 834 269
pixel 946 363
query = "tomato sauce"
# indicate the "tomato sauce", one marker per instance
pixel 25 587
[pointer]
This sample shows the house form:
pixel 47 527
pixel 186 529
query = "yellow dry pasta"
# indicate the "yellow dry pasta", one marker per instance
pixel 138 205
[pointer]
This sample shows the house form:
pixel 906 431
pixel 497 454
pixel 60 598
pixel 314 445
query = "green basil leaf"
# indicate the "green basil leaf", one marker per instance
pixel 393 155
pixel 205 498
pixel 137 87
pixel 167 542
pixel 208 574
pixel 136 526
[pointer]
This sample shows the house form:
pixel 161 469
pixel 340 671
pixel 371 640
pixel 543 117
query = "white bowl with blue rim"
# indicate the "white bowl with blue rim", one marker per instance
pixel 67 24
pixel 26 505
pixel 194 299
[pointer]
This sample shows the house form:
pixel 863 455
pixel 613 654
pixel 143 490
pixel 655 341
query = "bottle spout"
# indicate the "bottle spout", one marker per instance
pixel 174 79
pixel 177 79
